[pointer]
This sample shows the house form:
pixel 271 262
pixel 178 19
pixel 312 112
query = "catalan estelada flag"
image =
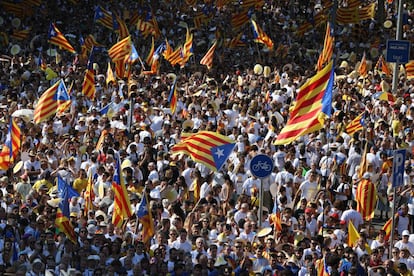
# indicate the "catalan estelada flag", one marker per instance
pixel 312 107
pixel 366 197
pixel 57 38
pixel 121 49
pixel 88 85
pixel 328 47
pixel 382 66
pixel 260 36
pixel 62 222
pixel 122 28
pixel 388 228
pixel 11 145
pixel 207 60
pixel 385 96
pixel 173 98
pixel 122 204
pixel 145 217
pixel 206 147
pixel 49 101
pixel 104 17
pixel 356 124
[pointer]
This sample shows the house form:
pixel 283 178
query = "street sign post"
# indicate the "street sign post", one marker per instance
pixel 398 167
pixel 398 51
pixel 261 166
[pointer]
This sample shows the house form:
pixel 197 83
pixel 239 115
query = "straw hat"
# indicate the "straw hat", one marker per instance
pixel 258 69
pixel 264 232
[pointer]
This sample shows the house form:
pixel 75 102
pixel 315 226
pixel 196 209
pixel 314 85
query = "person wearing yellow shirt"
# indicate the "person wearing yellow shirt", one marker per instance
pixel 45 181
pixel 80 182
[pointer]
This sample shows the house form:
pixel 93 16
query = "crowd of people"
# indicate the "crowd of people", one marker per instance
pixel 206 222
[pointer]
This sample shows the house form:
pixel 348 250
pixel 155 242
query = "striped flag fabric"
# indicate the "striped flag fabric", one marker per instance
pixel 321 268
pixel 363 165
pixel 88 85
pixel 239 19
pixel 409 68
pixel 206 147
pixel 50 100
pixel 122 204
pixel 236 41
pixel 21 34
pixel 388 228
pixel 64 105
pixel 121 49
pixel 62 222
pixel 187 48
pixel 122 28
pixel 366 197
pixel 275 217
pixel 104 17
pixel 382 66
pixel 11 145
pixel 260 36
pixel 313 105
pixel 356 124
pixel 207 60
pixel 144 216
pixel 173 98
pixel 351 14
pixel 89 195
pixel 362 69
pixel 328 47
pixel 57 38
pixel 101 140
pixel 151 52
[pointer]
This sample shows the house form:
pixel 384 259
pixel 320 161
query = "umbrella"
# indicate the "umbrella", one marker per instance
pixel 25 114
pixel 384 96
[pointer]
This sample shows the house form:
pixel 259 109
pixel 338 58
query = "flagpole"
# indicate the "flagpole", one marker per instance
pixel 398 36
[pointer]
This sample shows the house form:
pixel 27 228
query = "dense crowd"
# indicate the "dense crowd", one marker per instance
pixel 206 222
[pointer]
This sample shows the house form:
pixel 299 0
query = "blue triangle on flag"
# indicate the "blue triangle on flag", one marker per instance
pixel 221 153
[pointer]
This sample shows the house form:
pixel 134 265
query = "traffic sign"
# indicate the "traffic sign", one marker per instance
pixel 398 166
pixel 398 51
pixel 261 166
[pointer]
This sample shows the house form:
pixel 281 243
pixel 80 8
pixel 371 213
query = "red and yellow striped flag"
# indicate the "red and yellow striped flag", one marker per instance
pixel 151 52
pixel 328 47
pixel 366 197
pixel 382 66
pixel 261 37
pixel 356 124
pixel 207 60
pixel 362 69
pixel 388 228
pixel 50 100
pixel 313 105
pixel 88 85
pixel 122 204
pixel 121 49
pixel 57 38
pixel 11 145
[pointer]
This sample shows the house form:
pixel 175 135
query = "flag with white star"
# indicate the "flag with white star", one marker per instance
pixel 57 38
pixel 209 148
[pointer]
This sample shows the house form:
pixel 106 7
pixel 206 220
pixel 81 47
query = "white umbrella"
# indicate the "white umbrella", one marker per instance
pixel 25 114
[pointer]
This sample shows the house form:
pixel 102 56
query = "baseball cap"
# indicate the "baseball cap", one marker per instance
pixel 405 233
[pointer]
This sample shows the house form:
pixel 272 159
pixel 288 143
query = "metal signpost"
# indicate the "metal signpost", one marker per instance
pixel 261 166
pixel 398 166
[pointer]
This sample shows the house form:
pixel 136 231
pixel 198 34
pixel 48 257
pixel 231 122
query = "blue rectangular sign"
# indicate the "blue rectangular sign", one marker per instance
pixel 398 51
pixel 398 166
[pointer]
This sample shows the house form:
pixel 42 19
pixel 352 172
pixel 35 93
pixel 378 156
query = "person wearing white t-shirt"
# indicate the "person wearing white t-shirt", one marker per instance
pixel 352 215
pixel 405 243
pixel 308 188
pixel 247 234
pixel 182 243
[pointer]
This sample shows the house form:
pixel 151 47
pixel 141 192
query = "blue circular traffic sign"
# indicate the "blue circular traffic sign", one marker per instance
pixel 261 166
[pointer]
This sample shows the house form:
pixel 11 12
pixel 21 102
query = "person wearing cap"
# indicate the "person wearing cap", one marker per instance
pixel 405 243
